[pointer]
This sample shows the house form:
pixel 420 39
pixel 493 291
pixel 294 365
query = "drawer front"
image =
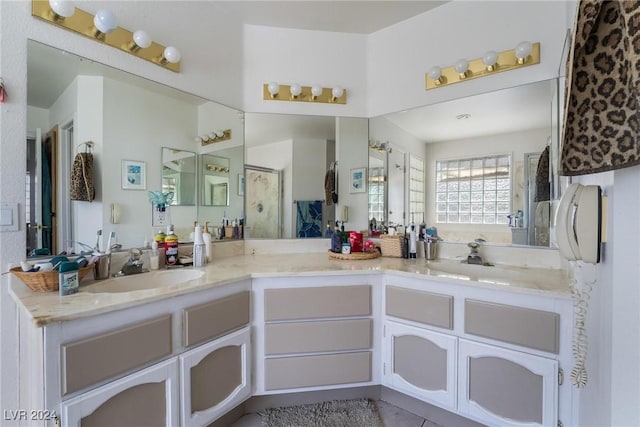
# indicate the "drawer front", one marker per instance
pixel 527 327
pixel 214 319
pixel 419 306
pixel 310 303
pixel 309 337
pixel 310 371
pixel 98 358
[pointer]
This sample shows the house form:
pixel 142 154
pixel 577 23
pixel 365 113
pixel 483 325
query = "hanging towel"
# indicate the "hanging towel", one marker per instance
pixel 543 188
pixel 82 178
pixel 330 186
pixel 602 114
pixel 309 222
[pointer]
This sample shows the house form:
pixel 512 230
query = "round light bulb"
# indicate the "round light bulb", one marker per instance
pixel 205 137
pixel 295 89
pixel 62 8
pixel 316 90
pixel 105 21
pixel 435 72
pixel 273 88
pixel 490 58
pixel 462 65
pixel 337 92
pixel 141 39
pixel 172 54
pixel 212 135
pixel 219 133
pixel 523 50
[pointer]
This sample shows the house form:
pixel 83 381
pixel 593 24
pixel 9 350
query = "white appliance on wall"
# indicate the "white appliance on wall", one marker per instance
pixel 578 223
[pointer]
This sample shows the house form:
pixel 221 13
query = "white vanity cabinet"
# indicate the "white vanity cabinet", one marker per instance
pixel 488 355
pixel 178 361
pixel 311 335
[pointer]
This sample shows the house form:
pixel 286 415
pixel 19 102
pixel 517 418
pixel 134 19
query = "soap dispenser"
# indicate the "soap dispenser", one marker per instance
pixel 199 248
pixel 206 236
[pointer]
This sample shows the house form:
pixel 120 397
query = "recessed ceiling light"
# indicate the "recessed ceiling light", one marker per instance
pixel 464 116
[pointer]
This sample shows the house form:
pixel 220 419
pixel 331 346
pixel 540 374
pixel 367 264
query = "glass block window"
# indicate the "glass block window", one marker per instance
pixel 416 189
pixel 376 194
pixel 473 191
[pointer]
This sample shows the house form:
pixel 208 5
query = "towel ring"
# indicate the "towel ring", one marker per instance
pixel 88 146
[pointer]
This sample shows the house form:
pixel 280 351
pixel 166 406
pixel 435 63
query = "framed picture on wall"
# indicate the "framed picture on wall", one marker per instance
pixel 358 180
pixel 134 175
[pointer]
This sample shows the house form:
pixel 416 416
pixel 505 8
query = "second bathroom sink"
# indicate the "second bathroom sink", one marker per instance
pixel 152 280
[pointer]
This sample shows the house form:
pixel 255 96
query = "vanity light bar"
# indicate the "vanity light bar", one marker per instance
pixel 82 22
pixel 215 137
pixel 505 61
pixel 284 93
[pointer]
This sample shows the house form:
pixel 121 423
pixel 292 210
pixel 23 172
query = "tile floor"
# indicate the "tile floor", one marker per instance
pixel 392 416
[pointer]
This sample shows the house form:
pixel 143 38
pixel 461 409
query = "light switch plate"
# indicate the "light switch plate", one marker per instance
pixel 9 217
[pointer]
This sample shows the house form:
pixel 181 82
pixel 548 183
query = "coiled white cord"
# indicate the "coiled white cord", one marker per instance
pixel 581 292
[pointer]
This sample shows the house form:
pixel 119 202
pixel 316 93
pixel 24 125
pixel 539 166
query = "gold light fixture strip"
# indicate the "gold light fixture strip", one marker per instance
pixel 506 61
pixel 225 137
pixel 284 94
pixel 81 22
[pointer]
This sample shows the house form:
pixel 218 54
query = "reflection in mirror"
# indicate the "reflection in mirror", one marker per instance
pixel 464 140
pixel 179 176
pixel 215 180
pixel 221 180
pixel 377 185
pixel 87 101
pixel 294 152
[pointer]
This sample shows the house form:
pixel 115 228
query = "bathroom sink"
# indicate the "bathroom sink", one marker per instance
pixel 136 282
pixel 500 275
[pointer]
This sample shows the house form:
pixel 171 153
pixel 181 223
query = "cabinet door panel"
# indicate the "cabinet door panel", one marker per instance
pixel 146 398
pixel 88 361
pixel 419 306
pixel 507 387
pixel 214 319
pixel 321 370
pixel 315 303
pixel 535 329
pixel 310 337
pixel 215 377
pixel 421 363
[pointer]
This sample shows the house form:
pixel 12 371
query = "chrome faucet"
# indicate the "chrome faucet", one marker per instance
pixel 474 257
pixel 133 265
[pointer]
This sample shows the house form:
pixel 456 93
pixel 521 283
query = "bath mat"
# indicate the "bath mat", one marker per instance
pixel 335 413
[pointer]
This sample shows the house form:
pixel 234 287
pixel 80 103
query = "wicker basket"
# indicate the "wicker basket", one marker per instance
pixel 391 245
pixel 45 281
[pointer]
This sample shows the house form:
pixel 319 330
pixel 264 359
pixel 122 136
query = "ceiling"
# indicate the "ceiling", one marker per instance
pixel 514 109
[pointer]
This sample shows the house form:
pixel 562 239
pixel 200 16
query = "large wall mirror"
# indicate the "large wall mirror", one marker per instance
pixel 129 119
pixel 486 157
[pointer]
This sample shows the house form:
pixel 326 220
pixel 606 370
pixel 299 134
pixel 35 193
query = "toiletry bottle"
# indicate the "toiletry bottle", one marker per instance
pixel 328 232
pixel 221 231
pixel 199 249
pixel 241 229
pixel 159 238
pixel 336 240
pixel 68 278
pixel 206 236
pixel 154 258
pixel 171 246
pixel 412 241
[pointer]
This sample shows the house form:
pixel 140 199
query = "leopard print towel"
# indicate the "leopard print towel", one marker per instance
pixel 82 178
pixel 602 114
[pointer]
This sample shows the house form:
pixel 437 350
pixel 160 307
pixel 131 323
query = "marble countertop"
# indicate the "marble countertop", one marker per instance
pixel 49 307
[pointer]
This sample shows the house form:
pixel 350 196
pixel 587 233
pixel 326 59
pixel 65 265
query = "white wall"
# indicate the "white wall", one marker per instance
pixel 37 118
pixel 137 124
pixel 306 57
pixel 399 56
pixel 514 144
